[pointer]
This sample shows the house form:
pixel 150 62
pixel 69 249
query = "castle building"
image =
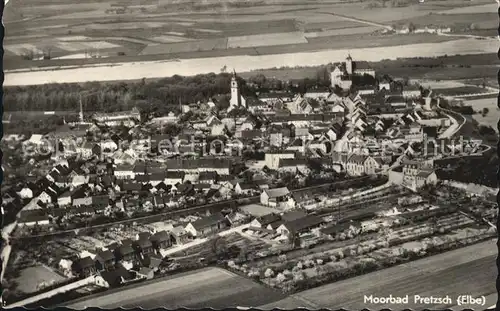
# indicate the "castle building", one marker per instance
pixel 341 75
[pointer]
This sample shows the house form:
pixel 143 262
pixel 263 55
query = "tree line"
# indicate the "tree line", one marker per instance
pixel 153 96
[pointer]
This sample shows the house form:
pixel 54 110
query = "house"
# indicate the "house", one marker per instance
pixel 179 235
pixel 152 261
pixel 425 177
pixel 412 91
pixel 131 187
pixel 174 177
pixel 26 193
pixel 301 225
pixel 355 165
pixel 207 225
pixel 207 177
pixel 160 240
pixel 264 221
pixel 100 201
pixel 104 260
pixel 272 158
pixel 33 217
pixel 117 277
pixel 293 165
pixel 64 199
pixel 124 171
pixel 84 267
pixel 143 246
pixel 79 180
pixel 85 201
pixel 339 228
pixel 371 165
pixel 125 252
pixel 274 197
pixel 244 188
pixel 384 84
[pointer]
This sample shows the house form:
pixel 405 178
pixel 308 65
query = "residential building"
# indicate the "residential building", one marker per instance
pixel 207 225
pixel 84 267
pixel 272 158
pixel 276 197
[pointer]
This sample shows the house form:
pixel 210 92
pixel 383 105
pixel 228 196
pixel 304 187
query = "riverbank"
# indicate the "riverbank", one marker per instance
pixel 242 63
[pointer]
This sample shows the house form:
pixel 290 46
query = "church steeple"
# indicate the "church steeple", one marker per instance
pixel 235 91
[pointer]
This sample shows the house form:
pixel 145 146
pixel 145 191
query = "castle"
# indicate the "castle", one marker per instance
pixel 341 75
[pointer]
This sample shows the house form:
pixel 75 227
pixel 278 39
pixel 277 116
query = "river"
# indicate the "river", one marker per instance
pixel 243 63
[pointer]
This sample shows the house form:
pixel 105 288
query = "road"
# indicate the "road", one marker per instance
pixel 460 120
pixel 466 271
pixel 370 23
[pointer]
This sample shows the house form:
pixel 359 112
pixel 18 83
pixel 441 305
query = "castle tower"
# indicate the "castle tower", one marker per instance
pixel 235 92
pixel 348 64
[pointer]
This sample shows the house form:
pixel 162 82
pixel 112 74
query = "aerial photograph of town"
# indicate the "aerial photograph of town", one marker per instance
pixel 250 153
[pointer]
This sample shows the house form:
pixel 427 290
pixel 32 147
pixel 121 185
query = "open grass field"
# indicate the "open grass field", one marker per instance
pixel 211 287
pixel 31 277
pixel 466 271
pixel 493 115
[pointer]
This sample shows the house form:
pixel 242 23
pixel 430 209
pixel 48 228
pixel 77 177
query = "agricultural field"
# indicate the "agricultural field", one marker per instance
pixel 118 29
pixel 462 90
pixel 470 269
pixel 212 287
pixel 480 20
pixel 266 40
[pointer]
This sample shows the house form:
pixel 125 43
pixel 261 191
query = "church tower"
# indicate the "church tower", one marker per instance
pixel 348 64
pixel 235 92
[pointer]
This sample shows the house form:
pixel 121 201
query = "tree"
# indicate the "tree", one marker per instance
pixel 219 247
pixel 411 27
pixel 294 239
pixel 485 111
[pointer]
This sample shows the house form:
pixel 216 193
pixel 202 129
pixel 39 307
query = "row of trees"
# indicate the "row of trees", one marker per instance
pixel 159 96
